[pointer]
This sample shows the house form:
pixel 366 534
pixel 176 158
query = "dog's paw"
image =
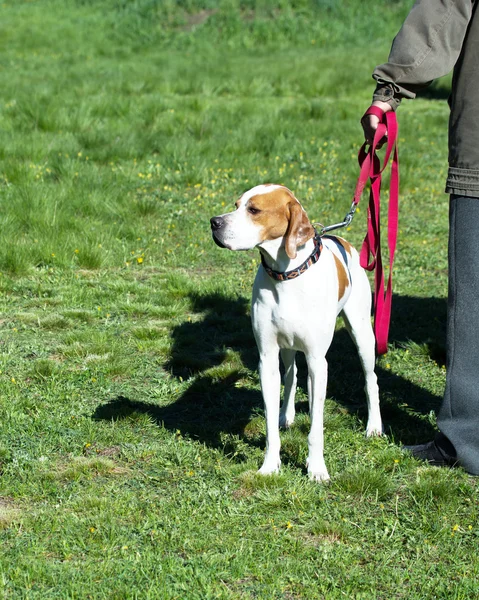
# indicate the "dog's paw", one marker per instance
pixel 319 476
pixel 270 467
pixel 374 429
pixel 318 471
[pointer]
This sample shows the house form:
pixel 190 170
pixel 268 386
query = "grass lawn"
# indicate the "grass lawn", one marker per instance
pixel 131 420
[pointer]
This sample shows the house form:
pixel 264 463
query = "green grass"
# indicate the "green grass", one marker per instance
pixel 131 421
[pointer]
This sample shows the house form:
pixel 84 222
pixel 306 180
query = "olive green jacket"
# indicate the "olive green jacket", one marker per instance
pixel 439 35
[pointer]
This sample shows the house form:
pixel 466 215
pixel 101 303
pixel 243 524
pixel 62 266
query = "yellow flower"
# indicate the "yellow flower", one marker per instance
pixel 139 260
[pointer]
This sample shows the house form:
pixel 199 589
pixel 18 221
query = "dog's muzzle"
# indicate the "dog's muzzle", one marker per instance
pixel 217 224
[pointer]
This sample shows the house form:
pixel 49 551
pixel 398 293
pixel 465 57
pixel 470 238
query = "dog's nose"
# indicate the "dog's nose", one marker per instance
pixel 217 223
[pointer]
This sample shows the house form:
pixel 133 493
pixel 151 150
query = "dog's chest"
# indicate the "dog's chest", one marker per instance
pixel 290 331
pixel 293 314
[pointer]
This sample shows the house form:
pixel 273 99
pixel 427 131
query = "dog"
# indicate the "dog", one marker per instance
pixel 304 282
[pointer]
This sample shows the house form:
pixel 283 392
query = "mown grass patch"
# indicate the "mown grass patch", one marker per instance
pixel 130 409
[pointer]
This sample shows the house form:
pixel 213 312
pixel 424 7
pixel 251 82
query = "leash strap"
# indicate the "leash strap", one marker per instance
pixel 370 255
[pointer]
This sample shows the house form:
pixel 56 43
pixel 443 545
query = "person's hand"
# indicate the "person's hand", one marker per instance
pixel 370 123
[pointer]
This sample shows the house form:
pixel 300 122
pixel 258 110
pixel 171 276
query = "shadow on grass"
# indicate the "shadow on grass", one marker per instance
pixel 216 348
pixel 225 326
pixel 418 320
pixel 206 411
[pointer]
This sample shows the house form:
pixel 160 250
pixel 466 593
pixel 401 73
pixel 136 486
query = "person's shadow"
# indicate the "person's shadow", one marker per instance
pixel 220 352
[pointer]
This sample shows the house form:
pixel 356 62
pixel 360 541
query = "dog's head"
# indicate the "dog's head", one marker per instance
pixel 264 213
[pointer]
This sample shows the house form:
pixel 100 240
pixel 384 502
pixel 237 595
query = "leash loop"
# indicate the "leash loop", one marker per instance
pixel 371 170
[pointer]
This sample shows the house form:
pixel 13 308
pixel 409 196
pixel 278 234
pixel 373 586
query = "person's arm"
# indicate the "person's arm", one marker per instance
pixel 427 47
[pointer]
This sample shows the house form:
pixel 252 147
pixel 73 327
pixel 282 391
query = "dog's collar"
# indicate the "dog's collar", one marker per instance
pixel 311 260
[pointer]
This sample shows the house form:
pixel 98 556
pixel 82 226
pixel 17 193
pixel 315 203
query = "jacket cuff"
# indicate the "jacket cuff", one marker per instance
pixel 386 93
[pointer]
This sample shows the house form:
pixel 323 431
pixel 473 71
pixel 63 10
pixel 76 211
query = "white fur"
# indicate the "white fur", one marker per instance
pixel 300 315
pixel 240 233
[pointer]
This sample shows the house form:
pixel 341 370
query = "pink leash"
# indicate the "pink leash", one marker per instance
pixel 370 256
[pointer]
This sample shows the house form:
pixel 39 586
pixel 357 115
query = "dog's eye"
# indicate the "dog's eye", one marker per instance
pixel 253 210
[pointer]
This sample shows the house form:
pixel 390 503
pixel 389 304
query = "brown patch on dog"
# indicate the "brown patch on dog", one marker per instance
pixel 299 232
pixel 343 279
pixel 346 245
pixel 280 214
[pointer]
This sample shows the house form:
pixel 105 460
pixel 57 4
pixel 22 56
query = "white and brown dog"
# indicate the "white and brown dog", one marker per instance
pixel 304 283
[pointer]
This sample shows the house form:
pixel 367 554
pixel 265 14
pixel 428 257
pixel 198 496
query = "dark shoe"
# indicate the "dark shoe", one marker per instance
pixel 440 452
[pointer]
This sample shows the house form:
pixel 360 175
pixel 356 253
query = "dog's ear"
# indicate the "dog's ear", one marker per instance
pixel 299 230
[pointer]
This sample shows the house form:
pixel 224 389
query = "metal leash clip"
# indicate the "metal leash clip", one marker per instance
pixel 347 220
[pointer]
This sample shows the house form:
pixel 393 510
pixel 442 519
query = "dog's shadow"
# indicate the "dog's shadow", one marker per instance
pixel 217 350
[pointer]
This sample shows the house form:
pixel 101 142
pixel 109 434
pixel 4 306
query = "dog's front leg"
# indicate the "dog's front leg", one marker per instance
pixel 270 385
pixel 317 375
pixel 287 412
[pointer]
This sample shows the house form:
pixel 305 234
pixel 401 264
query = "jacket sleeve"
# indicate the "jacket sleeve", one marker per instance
pixel 427 47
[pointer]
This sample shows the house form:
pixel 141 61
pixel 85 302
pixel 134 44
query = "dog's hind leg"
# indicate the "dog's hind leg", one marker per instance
pixel 318 374
pixel 271 387
pixel 287 412
pixel 356 314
